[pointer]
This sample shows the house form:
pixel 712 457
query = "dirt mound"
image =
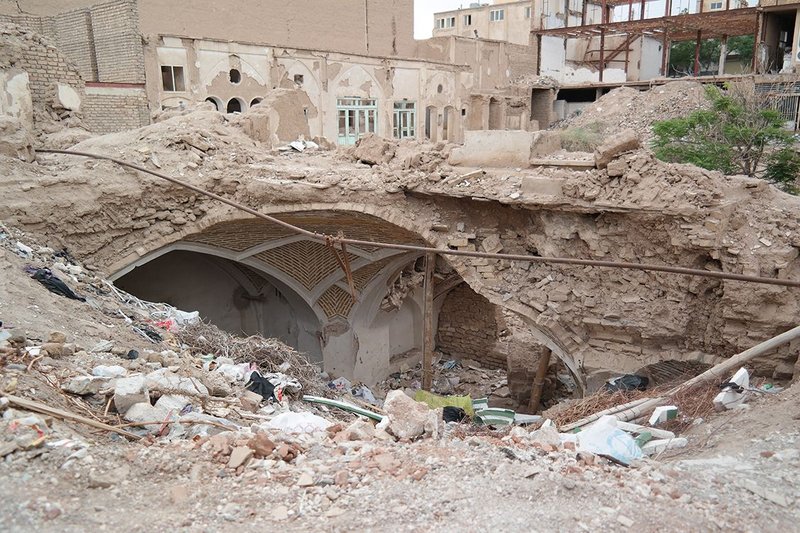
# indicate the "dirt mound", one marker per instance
pixel 630 108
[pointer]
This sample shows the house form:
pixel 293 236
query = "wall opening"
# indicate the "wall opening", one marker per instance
pixel 235 105
pixel 216 101
pixel 235 76
pixel 255 101
pixel 230 295
pixel 431 114
pixel 495 114
pixel 449 124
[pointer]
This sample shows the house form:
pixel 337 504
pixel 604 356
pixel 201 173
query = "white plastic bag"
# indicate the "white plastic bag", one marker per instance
pixel 304 422
pixel 605 438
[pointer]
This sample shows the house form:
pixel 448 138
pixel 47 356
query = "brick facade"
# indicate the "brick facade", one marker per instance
pixel 102 40
pixel 107 110
pixel 468 327
pixel 45 64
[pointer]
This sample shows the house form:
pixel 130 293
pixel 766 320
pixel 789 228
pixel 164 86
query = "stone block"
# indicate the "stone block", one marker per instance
pixel 67 98
pixel 616 168
pixel 541 186
pixel 130 391
pixel 409 419
pixel 624 141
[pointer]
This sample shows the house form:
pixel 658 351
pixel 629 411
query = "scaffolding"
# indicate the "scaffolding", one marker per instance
pixel 731 21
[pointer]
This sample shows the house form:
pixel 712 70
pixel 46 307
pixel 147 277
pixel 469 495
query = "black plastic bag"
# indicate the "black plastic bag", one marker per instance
pixel 628 382
pixel 453 414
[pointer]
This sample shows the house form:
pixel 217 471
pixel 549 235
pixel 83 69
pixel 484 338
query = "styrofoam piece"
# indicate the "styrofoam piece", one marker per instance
pixel 662 414
pixel 659 445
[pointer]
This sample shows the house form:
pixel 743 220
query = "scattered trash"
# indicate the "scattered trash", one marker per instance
pixel 663 413
pixel 344 406
pixel 53 283
pixel 660 445
pixel 603 437
pixel 435 401
pixel 453 414
pixel 628 382
pixel 302 422
pixel 494 417
pixel 733 391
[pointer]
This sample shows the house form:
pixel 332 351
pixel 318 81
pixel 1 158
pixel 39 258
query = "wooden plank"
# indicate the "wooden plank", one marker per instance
pixel 538 381
pixel 44 409
pixel 427 327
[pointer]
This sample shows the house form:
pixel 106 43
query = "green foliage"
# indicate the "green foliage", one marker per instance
pixel 583 139
pixel 740 133
pixel 742 46
pixel 681 55
pixel 784 167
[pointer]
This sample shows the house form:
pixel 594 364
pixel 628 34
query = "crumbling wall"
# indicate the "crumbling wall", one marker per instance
pixel 468 327
pixel 50 76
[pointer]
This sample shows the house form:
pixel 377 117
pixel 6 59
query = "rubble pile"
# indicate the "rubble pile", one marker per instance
pixel 625 107
pixel 103 416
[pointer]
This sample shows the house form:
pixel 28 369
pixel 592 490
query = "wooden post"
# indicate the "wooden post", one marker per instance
pixel 538 382
pixel 697 53
pixel 665 46
pixel 602 53
pixel 427 332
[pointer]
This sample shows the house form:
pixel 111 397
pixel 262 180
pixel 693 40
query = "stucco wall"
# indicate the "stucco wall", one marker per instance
pixel 225 297
pixel 375 27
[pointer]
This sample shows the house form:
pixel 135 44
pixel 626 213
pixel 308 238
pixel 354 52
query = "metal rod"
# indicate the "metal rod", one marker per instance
pixel 322 238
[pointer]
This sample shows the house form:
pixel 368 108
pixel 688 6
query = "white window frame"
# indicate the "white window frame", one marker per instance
pixel 168 79
pixel 716 5
pixel 468 20
pixel 496 15
pixel 404 125
pixel 445 23
pixel 528 12
pixel 353 113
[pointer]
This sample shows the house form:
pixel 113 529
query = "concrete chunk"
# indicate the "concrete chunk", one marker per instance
pixel 130 391
pixel 624 141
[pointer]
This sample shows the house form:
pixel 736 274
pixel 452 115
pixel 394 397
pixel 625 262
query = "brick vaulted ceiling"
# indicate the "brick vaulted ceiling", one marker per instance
pixel 310 264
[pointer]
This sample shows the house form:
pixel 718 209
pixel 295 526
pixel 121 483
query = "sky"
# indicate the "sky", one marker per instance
pixel 424 10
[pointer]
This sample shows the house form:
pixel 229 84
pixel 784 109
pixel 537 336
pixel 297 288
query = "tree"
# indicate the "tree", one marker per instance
pixel 681 55
pixel 739 133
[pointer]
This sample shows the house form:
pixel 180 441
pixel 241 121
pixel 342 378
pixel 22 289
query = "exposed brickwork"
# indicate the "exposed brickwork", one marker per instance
pixel 468 327
pixel 103 40
pixel 45 65
pixel 109 112
pixel 118 45
pixel 74 37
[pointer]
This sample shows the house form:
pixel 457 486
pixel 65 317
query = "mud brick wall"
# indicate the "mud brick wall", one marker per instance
pixel 107 110
pixel 102 40
pixel 45 65
pixel 468 327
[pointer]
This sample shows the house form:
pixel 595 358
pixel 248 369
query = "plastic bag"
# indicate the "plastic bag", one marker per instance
pixel 605 438
pixel 628 382
pixel 304 422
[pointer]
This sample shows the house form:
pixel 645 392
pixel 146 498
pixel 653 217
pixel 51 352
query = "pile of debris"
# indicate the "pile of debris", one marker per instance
pixel 625 107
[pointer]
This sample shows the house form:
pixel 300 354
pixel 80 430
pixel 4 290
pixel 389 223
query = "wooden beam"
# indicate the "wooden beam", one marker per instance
pixel 538 381
pixel 427 327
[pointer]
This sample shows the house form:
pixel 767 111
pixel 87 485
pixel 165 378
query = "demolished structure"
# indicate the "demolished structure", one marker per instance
pixel 421 284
